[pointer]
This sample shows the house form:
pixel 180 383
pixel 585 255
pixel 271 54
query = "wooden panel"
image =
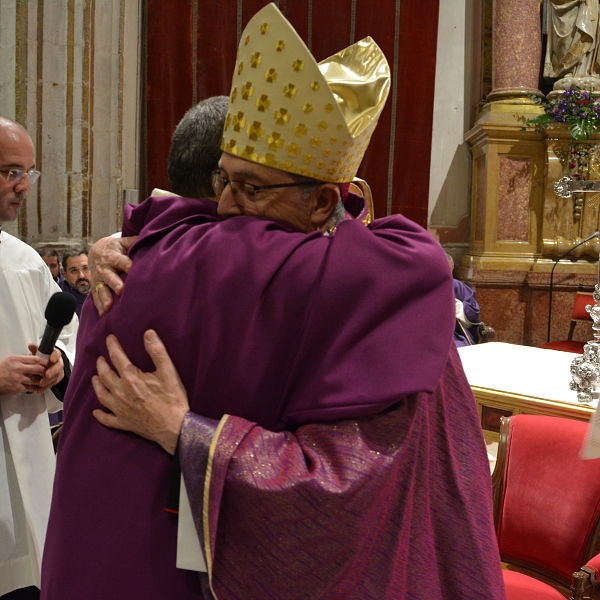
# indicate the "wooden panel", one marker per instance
pixel 169 80
pixel 493 404
pixel 490 417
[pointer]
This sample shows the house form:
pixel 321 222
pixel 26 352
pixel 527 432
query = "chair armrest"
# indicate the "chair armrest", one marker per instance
pixel 592 567
pixel 586 579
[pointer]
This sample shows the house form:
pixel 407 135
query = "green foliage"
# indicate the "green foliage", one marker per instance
pixel 579 110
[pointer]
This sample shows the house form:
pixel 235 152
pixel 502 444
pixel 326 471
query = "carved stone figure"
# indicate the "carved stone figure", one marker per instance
pixel 572 48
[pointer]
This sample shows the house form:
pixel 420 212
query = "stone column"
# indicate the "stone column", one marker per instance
pixel 517 49
pixel 70 75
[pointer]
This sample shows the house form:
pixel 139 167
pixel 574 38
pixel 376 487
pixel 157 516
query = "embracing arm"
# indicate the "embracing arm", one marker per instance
pixel 151 405
pixel 107 259
pixel 307 485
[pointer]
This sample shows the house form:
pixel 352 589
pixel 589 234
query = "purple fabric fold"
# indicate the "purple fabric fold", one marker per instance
pixel 197 432
pixel 394 505
pixel 293 327
pixel 263 322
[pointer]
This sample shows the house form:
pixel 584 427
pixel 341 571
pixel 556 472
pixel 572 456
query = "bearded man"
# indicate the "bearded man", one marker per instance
pixel 76 276
pixel 312 395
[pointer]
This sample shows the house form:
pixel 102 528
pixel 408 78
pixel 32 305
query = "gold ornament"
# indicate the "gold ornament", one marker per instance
pixel 295 100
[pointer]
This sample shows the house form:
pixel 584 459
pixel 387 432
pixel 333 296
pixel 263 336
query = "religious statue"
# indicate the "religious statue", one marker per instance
pixel 572 48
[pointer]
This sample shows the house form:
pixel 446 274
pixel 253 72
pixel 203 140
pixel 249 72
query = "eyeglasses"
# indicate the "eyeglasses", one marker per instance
pixel 16 175
pixel 248 190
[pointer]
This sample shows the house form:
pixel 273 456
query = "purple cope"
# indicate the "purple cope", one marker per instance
pixel 290 331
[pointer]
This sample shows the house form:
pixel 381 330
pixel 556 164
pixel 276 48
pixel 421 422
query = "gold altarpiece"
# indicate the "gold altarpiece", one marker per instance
pixel 517 221
pixel 520 227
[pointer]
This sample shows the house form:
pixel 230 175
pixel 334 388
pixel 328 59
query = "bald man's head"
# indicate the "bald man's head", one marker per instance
pixel 17 158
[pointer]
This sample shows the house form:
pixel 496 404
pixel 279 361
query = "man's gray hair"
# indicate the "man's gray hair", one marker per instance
pixel 70 254
pixel 196 148
pixel 311 183
pixel 337 214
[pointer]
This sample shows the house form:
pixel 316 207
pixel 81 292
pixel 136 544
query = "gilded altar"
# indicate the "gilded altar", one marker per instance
pixel 520 227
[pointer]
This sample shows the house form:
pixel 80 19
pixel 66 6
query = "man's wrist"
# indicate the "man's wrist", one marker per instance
pixel 172 434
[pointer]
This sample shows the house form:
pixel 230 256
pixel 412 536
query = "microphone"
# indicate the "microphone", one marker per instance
pixel 587 239
pixel 59 312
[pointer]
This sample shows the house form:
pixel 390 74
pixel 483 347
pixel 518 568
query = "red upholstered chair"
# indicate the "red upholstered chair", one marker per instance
pixel 586 582
pixel 579 315
pixel 546 505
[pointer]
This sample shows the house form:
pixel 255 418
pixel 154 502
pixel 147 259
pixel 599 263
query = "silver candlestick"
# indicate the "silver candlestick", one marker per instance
pixel 585 369
pixel 565 186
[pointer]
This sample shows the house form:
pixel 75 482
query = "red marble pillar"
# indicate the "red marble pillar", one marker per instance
pixel 517 49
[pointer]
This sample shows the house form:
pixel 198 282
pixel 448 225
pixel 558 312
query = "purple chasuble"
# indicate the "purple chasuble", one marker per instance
pixel 262 322
pixel 395 505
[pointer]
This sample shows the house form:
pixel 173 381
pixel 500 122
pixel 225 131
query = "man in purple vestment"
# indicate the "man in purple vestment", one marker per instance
pixel 467 312
pixel 354 464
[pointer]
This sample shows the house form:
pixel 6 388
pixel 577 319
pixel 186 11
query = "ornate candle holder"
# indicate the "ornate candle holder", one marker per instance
pixel 585 369
pixel 580 162
pixel 565 187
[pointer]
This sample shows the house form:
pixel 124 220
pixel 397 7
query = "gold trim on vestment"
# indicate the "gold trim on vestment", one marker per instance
pixel 205 503
pixel 289 113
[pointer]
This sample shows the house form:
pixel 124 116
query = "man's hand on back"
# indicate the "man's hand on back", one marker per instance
pixel 107 259
pixel 150 404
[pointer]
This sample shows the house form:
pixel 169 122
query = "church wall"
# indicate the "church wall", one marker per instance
pixel 70 76
pixel 449 191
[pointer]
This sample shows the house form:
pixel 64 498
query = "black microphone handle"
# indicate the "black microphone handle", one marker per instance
pixel 587 239
pixel 48 340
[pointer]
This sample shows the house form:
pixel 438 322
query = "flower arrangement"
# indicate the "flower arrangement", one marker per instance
pixel 579 110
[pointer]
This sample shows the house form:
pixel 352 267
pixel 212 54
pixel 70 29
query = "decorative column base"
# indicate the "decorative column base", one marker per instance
pixel 514 96
pixel 507 188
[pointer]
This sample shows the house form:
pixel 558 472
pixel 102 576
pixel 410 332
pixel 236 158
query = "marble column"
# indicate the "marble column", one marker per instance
pixel 517 49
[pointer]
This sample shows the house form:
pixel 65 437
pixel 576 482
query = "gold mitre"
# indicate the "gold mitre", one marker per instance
pixel 288 112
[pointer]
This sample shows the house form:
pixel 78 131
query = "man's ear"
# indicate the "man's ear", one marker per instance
pixel 326 197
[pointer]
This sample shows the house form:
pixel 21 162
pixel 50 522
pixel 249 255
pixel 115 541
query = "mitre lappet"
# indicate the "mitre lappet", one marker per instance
pixel 291 113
